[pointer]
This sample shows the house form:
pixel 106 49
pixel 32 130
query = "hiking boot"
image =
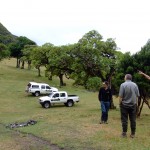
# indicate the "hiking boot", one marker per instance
pixel 123 135
pixel 105 122
pixel 101 122
pixel 132 136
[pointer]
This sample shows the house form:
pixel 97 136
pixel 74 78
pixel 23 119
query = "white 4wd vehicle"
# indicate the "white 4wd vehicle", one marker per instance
pixel 39 88
pixel 58 97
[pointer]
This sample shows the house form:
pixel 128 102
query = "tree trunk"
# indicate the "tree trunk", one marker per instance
pixel 140 106
pixel 39 71
pixel 29 65
pixel 112 106
pixel 61 80
pixel 142 99
pixel 50 77
pixel 48 74
pixel 22 67
pixel 18 63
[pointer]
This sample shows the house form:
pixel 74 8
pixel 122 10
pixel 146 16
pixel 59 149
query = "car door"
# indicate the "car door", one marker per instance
pixel 43 89
pixel 63 97
pixel 55 98
pixel 48 89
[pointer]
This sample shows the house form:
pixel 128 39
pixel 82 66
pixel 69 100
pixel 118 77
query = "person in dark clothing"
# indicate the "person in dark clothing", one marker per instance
pixel 105 97
pixel 128 96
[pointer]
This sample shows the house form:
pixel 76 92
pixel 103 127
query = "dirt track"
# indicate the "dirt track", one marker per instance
pixel 29 141
pixel 24 141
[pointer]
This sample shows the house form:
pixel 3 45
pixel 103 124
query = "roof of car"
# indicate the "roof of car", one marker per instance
pixel 37 83
pixel 60 92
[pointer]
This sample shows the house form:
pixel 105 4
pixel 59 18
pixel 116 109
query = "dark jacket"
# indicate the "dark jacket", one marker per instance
pixel 105 95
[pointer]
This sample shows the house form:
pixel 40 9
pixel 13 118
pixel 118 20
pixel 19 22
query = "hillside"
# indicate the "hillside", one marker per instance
pixel 5 36
pixel 65 128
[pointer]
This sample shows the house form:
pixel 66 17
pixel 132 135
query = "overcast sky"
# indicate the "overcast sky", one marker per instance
pixel 62 22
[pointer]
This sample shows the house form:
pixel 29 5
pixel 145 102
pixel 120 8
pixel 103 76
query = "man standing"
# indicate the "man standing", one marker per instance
pixel 128 96
pixel 104 96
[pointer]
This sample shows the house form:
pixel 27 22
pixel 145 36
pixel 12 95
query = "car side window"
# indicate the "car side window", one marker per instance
pixel 56 95
pixel 35 86
pixel 62 95
pixel 43 87
pixel 47 87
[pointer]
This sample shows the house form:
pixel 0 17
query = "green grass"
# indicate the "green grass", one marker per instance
pixel 75 128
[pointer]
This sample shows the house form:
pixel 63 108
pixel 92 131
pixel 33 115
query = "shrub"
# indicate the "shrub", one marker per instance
pixel 93 84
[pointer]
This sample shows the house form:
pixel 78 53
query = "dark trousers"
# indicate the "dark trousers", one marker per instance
pixel 131 113
pixel 105 108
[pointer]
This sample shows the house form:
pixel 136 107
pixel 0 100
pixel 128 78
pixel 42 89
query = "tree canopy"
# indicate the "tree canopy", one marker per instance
pixel 17 47
pixel 130 64
pixel 88 62
pixel 94 57
pixel 4 52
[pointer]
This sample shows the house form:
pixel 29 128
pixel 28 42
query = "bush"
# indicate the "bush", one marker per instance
pixel 93 84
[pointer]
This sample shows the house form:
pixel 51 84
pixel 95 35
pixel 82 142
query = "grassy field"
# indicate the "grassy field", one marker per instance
pixel 74 128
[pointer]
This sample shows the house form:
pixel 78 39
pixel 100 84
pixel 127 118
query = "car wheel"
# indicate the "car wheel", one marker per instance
pixel 46 105
pixel 37 93
pixel 70 103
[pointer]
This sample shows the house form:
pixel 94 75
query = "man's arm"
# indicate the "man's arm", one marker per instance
pixel 121 91
pixel 99 95
pixel 138 95
pixel 137 100
pixel 120 100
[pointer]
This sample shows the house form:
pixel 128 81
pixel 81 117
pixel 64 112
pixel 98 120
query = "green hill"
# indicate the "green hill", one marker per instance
pixel 5 36
pixel 68 128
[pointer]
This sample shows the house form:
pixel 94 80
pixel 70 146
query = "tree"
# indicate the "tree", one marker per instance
pixel 60 62
pixel 39 56
pixel 4 52
pixel 26 52
pixel 16 47
pixel 131 64
pixel 93 58
pixel 142 62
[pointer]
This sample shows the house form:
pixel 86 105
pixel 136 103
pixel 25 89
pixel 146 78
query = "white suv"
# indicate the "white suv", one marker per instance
pixel 39 88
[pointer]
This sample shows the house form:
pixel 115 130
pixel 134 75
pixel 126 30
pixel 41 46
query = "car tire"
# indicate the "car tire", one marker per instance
pixel 46 105
pixel 70 103
pixel 37 93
